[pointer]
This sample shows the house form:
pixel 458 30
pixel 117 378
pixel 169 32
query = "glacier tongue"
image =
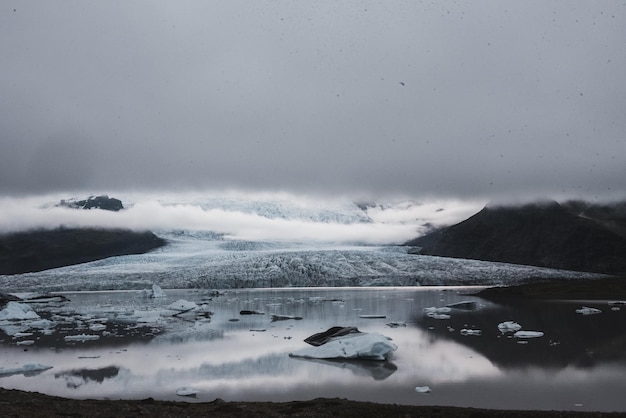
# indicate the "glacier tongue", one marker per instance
pixel 197 263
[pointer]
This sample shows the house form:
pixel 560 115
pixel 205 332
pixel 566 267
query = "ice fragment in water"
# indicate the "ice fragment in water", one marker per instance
pixel 17 311
pixel 422 389
pixel 509 326
pixel 528 334
pixel 466 331
pixel 182 305
pixel 366 346
pixel 81 337
pixel 585 310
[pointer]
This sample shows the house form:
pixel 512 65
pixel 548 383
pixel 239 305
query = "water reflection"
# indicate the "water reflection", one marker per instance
pixel 79 377
pixel 377 370
pixel 570 339
pixel 579 360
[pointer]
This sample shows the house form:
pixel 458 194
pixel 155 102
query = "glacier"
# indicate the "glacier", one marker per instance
pixel 251 241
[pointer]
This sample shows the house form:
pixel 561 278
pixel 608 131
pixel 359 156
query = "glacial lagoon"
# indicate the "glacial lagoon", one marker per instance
pixel 144 349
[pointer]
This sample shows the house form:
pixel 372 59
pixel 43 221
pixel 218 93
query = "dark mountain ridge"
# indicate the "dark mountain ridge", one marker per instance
pixel 543 234
pixel 38 250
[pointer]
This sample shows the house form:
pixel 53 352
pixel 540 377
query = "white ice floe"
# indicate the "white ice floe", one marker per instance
pixel 528 334
pixel 182 305
pixel 475 332
pixel 434 315
pixel 81 337
pixel 25 342
pixel 422 389
pixel 509 326
pixel 186 391
pixel 366 346
pixel 26 369
pixel 585 310
pixel 15 311
pixel 97 327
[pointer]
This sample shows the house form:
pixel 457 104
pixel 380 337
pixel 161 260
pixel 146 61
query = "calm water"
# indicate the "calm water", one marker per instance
pixel 579 363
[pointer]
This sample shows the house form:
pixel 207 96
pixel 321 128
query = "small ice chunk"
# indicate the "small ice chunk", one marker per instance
pixel 186 391
pixel 528 334
pixel 182 305
pixel 373 316
pixel 97 327
pixel 17 311
pixel 25 342
pixel 509 326
pixel 585 310
pixel 81 337
pixel 422 389
pixel 466 331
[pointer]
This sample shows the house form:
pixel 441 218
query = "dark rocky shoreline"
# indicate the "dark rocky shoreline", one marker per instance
pixel 14 403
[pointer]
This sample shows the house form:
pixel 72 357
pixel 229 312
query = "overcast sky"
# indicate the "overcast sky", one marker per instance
pixel 477 99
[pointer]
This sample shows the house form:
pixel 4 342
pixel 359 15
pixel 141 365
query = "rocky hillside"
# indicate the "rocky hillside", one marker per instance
pixel 31 251
pixel 543 234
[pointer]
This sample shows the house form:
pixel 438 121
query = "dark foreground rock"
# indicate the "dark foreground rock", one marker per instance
pixel 15 403
pixel 39 250
pixel 545 235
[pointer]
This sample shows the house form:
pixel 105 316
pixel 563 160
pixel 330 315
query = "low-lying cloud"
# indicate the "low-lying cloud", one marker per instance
pixel 381 223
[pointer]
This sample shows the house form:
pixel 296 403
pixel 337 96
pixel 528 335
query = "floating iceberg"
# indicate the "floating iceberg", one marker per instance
pixel 466 331
pixel 509 326
pixel 182 305
pixel 363 346
pixel 528 334
pixel 585 310
pixel 81 337
pixel 15 311
pixel 422 389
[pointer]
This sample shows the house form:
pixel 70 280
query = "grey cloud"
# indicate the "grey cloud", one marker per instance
pixel 435 98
